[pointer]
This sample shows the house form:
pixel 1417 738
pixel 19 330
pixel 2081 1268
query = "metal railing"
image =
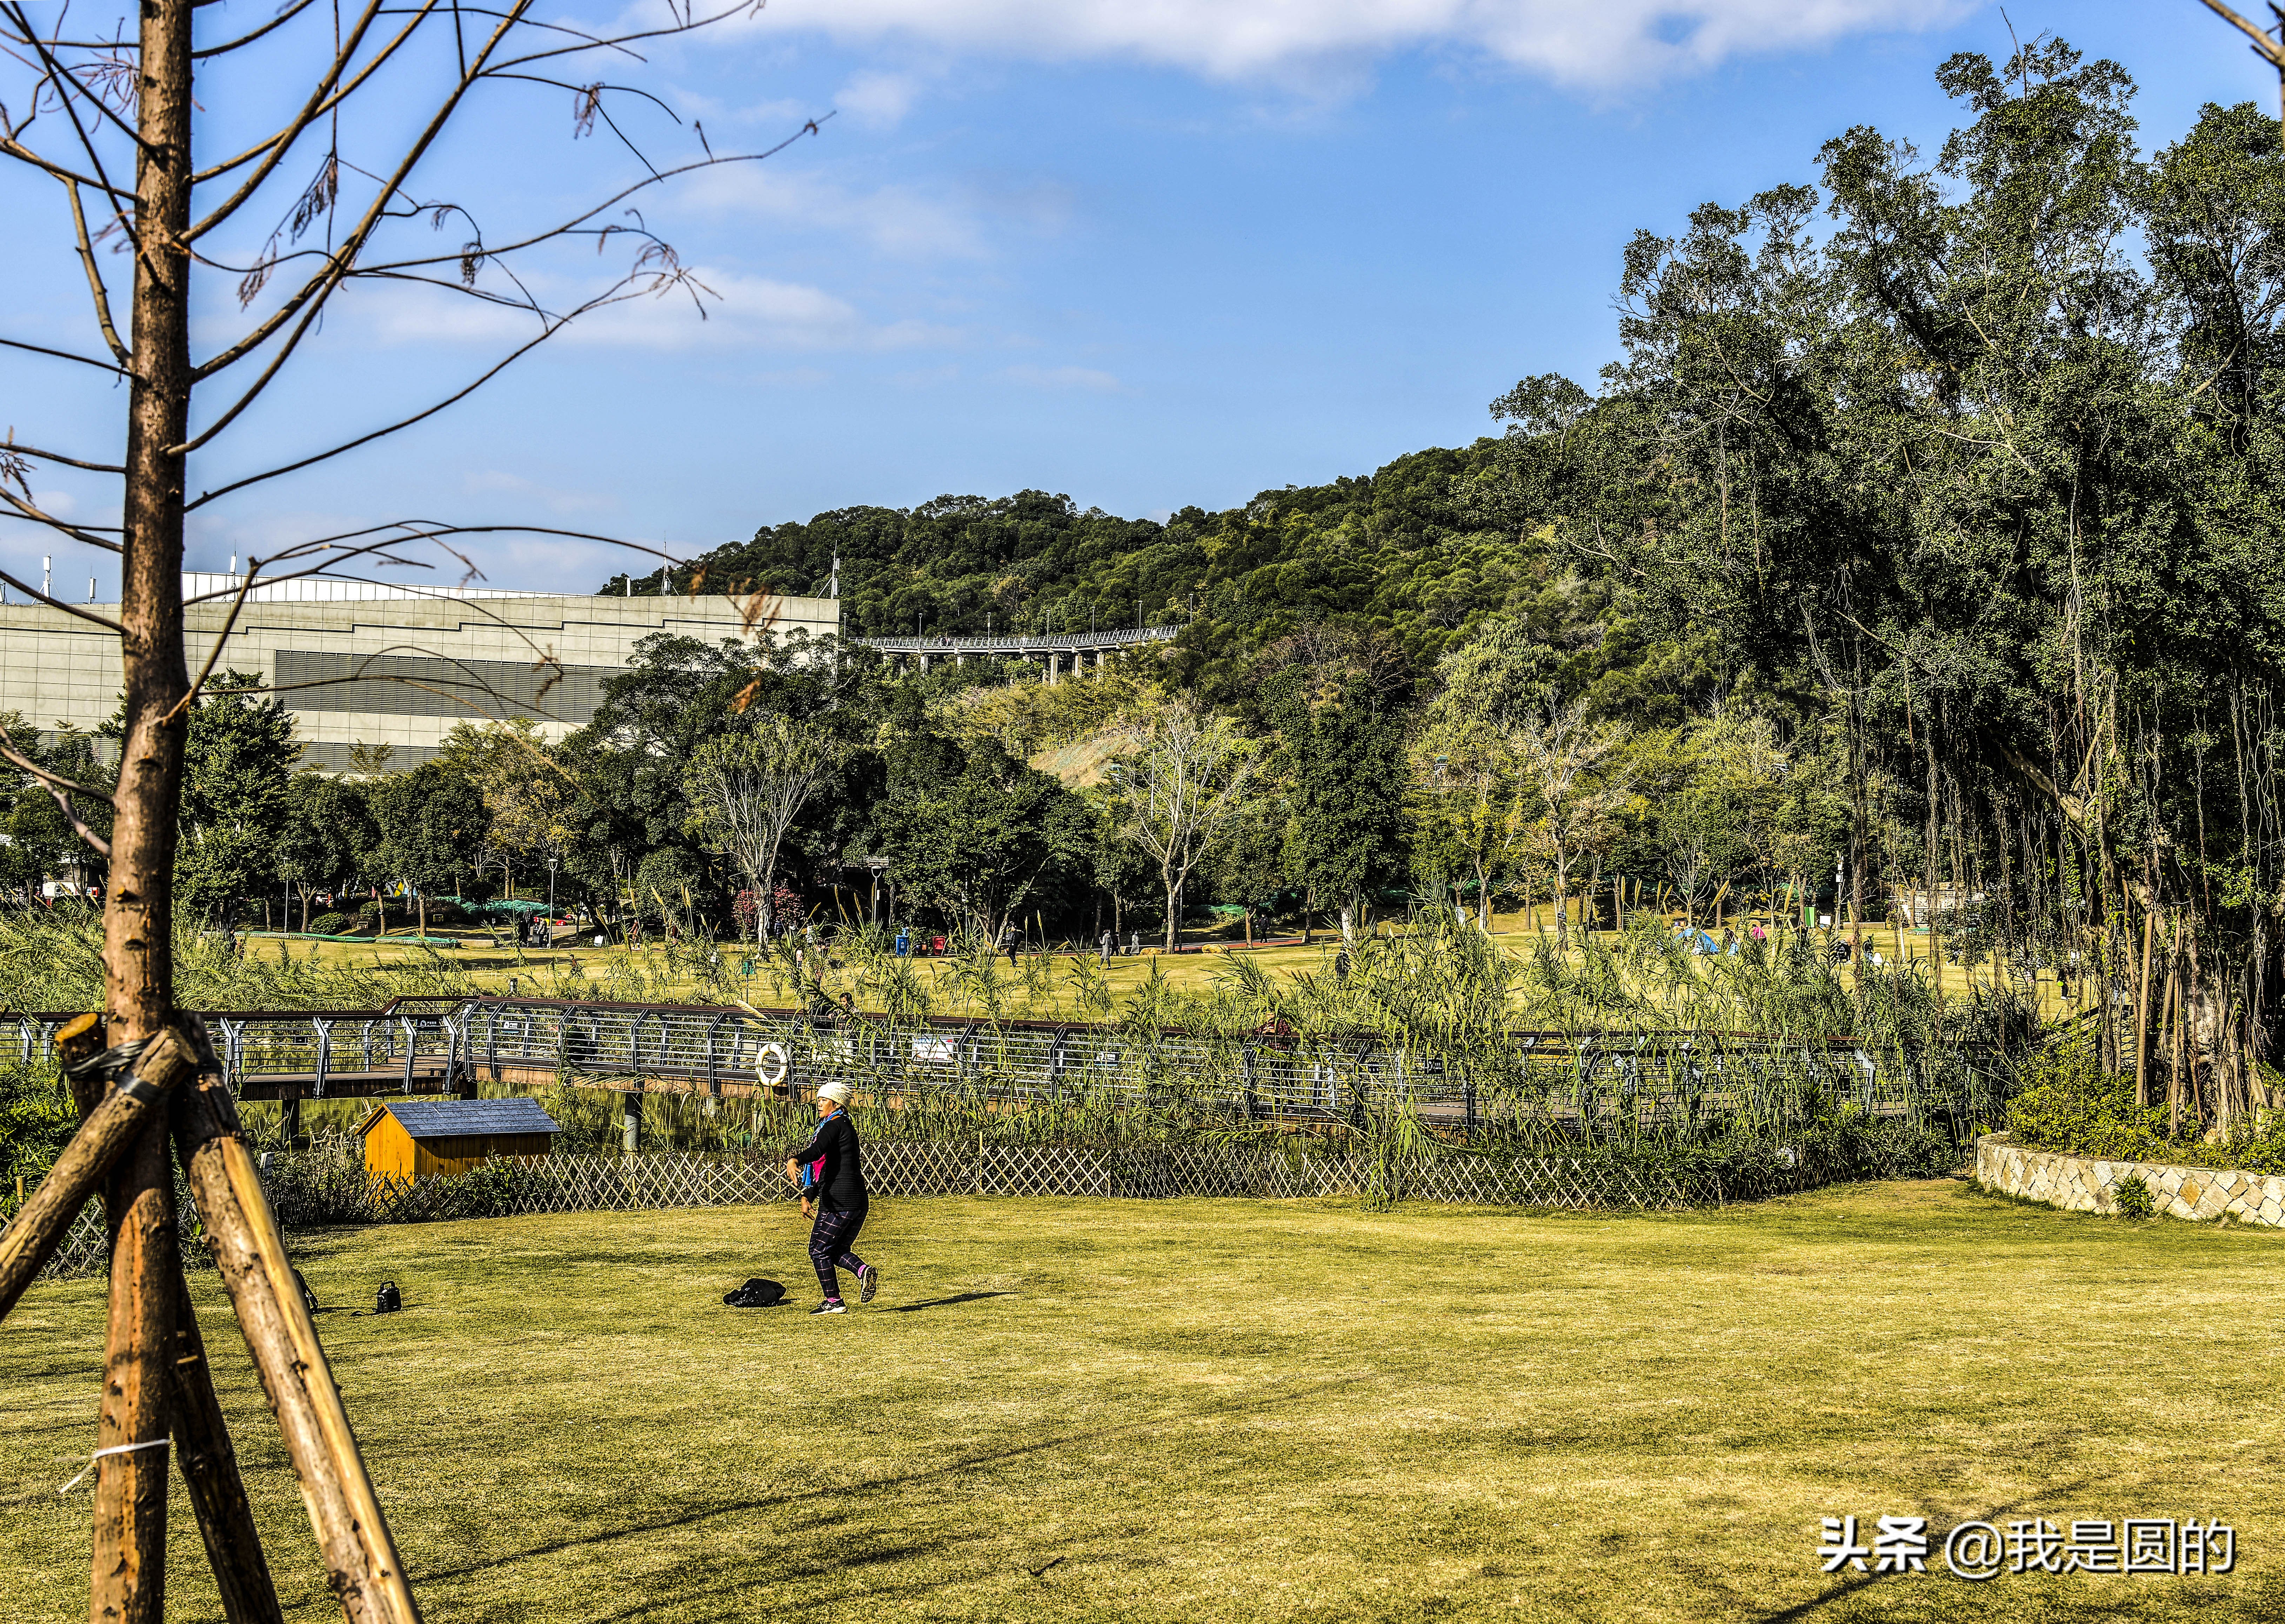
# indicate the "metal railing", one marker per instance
pixel 444 1045
pixel 1059 642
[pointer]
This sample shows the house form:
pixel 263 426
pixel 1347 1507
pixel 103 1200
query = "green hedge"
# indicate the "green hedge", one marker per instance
pixel 2067 1103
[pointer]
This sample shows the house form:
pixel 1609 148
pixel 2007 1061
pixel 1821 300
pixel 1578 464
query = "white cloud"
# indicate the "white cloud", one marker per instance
pixel 878 101
pixel 739 311
pixel 1598 43
pixel 897 220
pixel 1065 378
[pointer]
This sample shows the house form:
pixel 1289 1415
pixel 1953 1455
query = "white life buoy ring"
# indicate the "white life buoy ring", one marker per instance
pixel 771 1064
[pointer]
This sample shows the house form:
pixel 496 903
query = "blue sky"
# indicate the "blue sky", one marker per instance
pixel 1147 255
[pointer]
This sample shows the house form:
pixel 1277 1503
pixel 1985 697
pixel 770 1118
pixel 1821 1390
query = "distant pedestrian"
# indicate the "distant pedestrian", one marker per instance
pixel 1008 941
pixel 1106 943
pixel 1133 943
pixel 830 1174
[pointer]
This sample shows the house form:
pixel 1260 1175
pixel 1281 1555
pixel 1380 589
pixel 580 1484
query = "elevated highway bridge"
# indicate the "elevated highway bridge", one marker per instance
pixel 1057 652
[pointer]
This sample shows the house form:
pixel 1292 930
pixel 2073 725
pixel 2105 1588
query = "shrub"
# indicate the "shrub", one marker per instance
pixel 2068 1104
pixel 331 924
pixel 2132 1197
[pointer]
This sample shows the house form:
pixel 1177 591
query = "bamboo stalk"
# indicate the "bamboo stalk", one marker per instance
pixel 105 1132
pixel 353 1537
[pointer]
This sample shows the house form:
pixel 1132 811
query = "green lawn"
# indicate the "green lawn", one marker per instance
pixel 1205 1410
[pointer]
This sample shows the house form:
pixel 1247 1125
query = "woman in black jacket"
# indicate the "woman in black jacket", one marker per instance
pixel 830 1174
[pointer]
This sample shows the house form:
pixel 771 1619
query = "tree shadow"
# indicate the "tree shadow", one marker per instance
pixel 946 1302
pixel 845 1491
pixel 1852 1583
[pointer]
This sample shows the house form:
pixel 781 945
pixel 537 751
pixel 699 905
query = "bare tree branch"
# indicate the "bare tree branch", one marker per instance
pixel 37 596
pixel 100 293
pixel 320 101
pixel 253 569
pixel 11 444
pixel 616 295
pixel 66 82
pixel 313 293
pixel 287 14
pixel 61 355
pixel 28 510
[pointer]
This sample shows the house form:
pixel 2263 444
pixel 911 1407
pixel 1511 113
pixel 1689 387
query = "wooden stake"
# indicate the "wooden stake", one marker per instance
pixel 353 1537
pixel 110 1122
pixel 211 1472
pixel 201 1443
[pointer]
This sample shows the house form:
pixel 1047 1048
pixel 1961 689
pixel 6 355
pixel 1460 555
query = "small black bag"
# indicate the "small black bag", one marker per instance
pixel 756 1293
pixel 386 1300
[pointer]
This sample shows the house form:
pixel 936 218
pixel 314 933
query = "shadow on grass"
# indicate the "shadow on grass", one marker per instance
pixel 946 1302
pixel 1852 1583
pixel 842 1492
pixel 794 1575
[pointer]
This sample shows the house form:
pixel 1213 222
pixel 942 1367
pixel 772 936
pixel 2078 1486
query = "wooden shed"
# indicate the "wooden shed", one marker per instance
pixel 423 1139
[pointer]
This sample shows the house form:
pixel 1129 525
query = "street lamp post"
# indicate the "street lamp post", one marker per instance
pixel 877 866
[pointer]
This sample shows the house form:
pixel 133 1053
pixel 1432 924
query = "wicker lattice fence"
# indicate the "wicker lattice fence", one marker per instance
pixel 309 1190
pixel 606 1183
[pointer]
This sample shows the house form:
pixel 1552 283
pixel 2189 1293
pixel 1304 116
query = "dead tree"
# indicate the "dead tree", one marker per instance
pixel 294 222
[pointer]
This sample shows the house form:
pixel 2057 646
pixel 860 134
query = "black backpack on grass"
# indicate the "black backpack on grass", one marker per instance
pixel 757 1293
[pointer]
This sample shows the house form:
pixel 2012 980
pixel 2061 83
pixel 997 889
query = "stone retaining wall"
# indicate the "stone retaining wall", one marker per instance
pixel 2085 1183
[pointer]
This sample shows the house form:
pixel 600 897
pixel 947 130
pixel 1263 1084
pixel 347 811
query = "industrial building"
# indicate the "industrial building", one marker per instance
pixel 368 663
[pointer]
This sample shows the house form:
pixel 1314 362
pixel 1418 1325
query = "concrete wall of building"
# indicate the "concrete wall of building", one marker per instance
pixel 399 670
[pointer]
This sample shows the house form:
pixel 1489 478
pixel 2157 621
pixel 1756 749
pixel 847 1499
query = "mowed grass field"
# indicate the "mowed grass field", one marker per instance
pixel 1076 1410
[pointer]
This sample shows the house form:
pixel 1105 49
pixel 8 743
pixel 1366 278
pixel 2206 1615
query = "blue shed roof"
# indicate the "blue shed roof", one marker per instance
pixel 451 1118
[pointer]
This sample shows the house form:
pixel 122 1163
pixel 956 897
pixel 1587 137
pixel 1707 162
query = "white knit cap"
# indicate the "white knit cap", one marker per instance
pixel 838 1092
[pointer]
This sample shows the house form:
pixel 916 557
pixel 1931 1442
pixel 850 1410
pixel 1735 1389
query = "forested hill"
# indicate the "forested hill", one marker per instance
pixel 1392 551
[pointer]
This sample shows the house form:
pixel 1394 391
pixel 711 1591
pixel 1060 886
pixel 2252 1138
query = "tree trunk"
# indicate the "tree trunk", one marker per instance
pixel 1562 904
pixel 1348 920
pixel 2142 1010
pixel 1174 910
pixel 131 1501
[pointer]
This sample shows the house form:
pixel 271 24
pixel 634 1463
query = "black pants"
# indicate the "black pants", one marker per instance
pixel 830 1240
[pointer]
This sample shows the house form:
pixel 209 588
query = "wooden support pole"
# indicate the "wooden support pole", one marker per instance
pixel 353 1537
pixel 201 1443
pixel 110 1122
pixel 217 1494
